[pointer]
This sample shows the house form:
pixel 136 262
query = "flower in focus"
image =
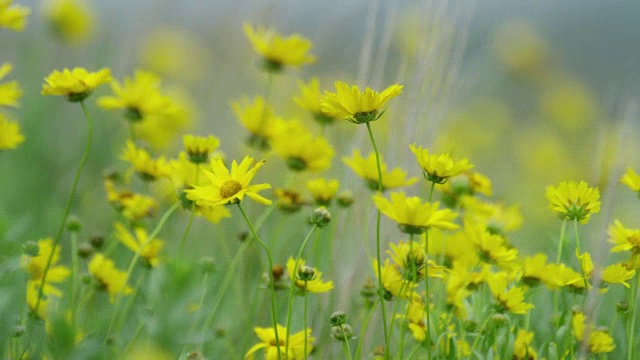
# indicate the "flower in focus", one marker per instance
pixel 311 99
pixel 439 168
pixel 10 136
pixel 368 170
pixel 75 85
pixel 258 118
pixel 316 285
pixel 109 277
pixel 229 187
pixel 10 92
pixel 149 249
pixel 140 97
pixel 599 340
pixel 522 349
pixel 574 201
pixel 149 169
pixel 323 190
pixel 277 51
pixel 296 344
pixel 198 147
pixel 300 149
pixel 352 105
pixel 413 216
pixel 511 300
pixel 13 17
pixel 71 20
pixel 631 179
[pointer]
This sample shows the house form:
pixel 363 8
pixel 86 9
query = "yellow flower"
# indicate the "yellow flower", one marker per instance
pixel 416 319
pixel 278 51
pixel 300 149
pixel 149 249
pixel 213 214
pixel 311 99
pixel 198 147
pixel 536 269
pixel 10 136
pixel 599 340
pixel 75 85
pixel 323 190
pixel 71 20
pixel 140 97
pixel 574 201
pixel 352 105
pixel 316 285
pixel 148 168
pixel 439 168
pixel 409 256
pixel 498 218
pixel 33 290
pixel 258 118
pixel 13 17
pixel 511 300
pixel 624 239
pixel 296 344
pixel 522 349
pixel 618 274
pixel 413 216
pixel 10 92
pixel 288 200
pixel 392 280
pixel 109 277
pixel 35 265
pixel 229 187
pixel 138 206
pixel 631 179
pixel 491 248
pixel 367 169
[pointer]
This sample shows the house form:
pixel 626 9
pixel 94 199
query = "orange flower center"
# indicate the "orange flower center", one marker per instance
pixel 230 188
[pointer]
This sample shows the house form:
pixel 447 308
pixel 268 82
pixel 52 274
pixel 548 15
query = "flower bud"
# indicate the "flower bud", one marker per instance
pixel 306 273
pixel 622 307
pixel 207 264
pixel 73 224
pixel 345 199
pixel 342 332
pixel 338 318
pixel 499 319
pixel 97 241
pixel 85 250
pixel 31 248
pixel 320 217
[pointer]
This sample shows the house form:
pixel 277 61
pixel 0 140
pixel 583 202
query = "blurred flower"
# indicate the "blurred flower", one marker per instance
pixel 296 344
pixel 70 20
pixel 351 104
pixel 522 349
pixel 314 286
pixel 618 274
pixel 599 340
pixel 10 136
pixel 148 351
pixel 300 149
pixel 148 168
pixel 497 217
pixel 288 200
pixel 521 48
pixel 35 265
pixel 511 300
pixel 414 216
pixel 198 147
pixel 13 17
pixel 536 269
pixel 10 92
pixel 229 187
pixel 631 179
pixel 33 290
pixel 439 168
pixel 368 170
pixel 149 249
pixel 574 201
pixel 258 118
pixel 323 190
pixel 75 85
pixel 569 104
pixel 393 281
pixel 624 239
pixel 311 99
pixel 491 248
pixel 278 51
pixel 109 277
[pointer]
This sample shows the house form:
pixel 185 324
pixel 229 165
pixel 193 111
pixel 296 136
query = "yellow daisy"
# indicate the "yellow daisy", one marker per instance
pixel 522 349
pixel 10 136
pixel 300 149
pixel 511 300
pixel 277 51
pixel 631 179
pixel 599 340
pixel 355 106
pixel 72 21
pixel 110 278
pixel 295 346
pixel 624 239
pixel 316 285
pixel 35 265
pixel 10 92
pixel 392 280
pixel 148 168
pixel 367 170
pixel 258 118
pixel 149 248
pixel 439 168
pixel 311 99
pixel 574 201
pixel 229 187
pixel 13 17
pixel 199 147
pixel 75 85
pixel 414 216
pixel 323 190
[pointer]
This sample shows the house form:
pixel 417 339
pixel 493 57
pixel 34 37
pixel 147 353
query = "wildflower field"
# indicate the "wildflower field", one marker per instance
pixel 261 187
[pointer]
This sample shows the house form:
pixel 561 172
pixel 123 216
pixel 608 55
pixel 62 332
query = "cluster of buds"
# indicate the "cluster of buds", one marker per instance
pixel 340 329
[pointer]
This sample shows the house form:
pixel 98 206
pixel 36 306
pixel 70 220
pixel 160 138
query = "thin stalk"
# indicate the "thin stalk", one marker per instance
pixel 67 208
pixel 271 285
pixel 482 328
pixel 556 294
pixel 74 276
pixel 306 298
pixel 364 328
pixel 344 338
pixel 378 256
pixel 292 287
pixel 193 214
pixel 427 303
pixel 632 327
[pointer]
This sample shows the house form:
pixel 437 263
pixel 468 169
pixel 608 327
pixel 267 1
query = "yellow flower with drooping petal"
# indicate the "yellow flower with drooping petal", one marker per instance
pixel 416 319
pixel 574 201
pixel 368 170
pixel 35 265
pixel 624 239
pixel 199 147
pixel 511 300
pixel 522 349
pixel 295 346
pixel 413 215
pixel 141 96
pixel 491 248
pixel 10 92
pixel 148 168
pixel 316 285
pixel 13 17
pixel 393 281
pixel 618 274
pixel 323 190
pixel 311 99
pixel 229 187
pixel 75 85
pixel 599 340
pixel 258 118
pixel 536 269
pixel 350 104
pixel 631 179
pixel 277 51
pixel 70 20
pixel 149 249
pixel 300 149
pixel 10 136
pixel 109 277
pixel 439 168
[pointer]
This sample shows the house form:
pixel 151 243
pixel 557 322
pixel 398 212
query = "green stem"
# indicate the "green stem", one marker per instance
pixel 271 284
pixel 556 294
pixel 364 328
pixel 479 335
pixel 292 287
pixel 67 208
pixel 427 302
pixel 378 256
pixel 433 186
pixel 193 214
pixel 632 328
pixel 345 339
pixel 411 268
pixel 134 260
pixel 304 327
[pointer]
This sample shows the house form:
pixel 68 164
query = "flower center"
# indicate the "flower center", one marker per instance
pixel 230 188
